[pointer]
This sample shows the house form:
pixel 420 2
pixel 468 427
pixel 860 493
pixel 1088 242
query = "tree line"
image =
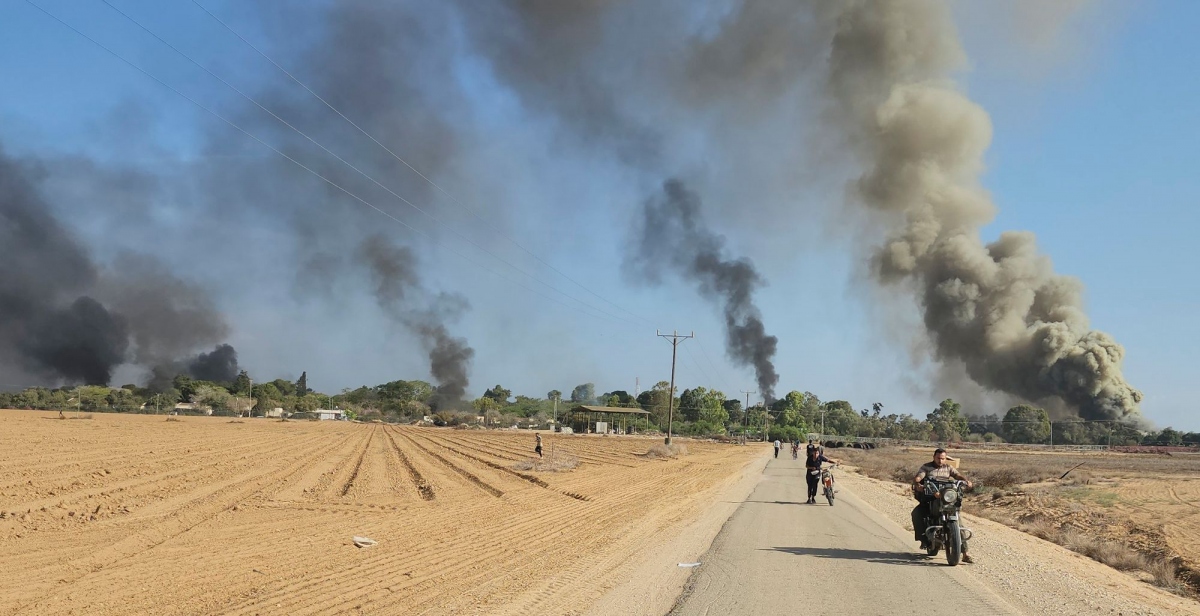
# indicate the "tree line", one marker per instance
pixel 697 411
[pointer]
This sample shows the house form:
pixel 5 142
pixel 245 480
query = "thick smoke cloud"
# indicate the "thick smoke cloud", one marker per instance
pixel 999 308
pixel 66 319
pixel 727 96
pixel 398 290
pixel 672 234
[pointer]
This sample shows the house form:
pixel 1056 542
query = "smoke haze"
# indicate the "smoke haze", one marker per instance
pixel 752 105
pixel 672 233
pixel 68 320
pixel 393 269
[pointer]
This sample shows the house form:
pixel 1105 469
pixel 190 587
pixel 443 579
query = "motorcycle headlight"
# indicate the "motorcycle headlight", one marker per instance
pixel 950 496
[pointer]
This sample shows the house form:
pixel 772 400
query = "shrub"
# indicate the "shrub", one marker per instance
pixel 662 450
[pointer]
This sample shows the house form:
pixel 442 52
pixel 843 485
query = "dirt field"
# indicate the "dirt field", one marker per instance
pixel 1148 502
pixel 124 514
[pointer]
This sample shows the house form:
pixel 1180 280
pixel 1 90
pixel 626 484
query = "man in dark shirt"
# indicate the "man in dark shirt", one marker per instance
pixel 812 472
pixel 938 469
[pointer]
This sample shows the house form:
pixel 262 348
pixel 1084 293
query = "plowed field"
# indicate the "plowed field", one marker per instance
pixel 125 514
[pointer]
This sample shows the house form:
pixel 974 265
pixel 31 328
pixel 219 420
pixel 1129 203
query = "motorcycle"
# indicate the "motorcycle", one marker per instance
pixel 827 482
pixel 944 527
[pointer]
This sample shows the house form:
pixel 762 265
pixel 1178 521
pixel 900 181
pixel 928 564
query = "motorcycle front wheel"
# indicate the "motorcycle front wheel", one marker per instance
pixel 953 543
pixel 829 495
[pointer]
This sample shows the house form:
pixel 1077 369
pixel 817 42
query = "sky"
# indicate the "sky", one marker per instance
pixel 1091 132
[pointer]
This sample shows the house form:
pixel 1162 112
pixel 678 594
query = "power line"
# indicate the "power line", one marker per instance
pixel 453 199
pixel 352 166
pixel 714 366
pixel 293 160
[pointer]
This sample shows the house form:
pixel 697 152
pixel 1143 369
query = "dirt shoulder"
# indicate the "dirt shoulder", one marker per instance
pixel 1036 576
pixel 651 582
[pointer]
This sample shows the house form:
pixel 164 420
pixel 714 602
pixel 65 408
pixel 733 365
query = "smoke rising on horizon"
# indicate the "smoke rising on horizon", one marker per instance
pixel 398 290
pixel 999 308
pixel 672 233
pixel 65 319
pixel 746 101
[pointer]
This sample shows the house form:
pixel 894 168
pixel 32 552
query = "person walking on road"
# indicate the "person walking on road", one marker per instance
pixel 812 472
pixel 538 448
pixel 777 446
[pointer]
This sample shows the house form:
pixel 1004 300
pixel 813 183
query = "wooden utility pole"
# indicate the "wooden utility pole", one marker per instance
pixel 674 339
pixel 746 411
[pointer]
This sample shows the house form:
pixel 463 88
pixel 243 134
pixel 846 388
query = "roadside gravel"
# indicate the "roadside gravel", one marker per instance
pixel 1034 575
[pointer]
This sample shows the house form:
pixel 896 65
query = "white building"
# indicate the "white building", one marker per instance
pixel 328 414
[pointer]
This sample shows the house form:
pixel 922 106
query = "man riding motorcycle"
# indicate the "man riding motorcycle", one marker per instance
pixel 938 469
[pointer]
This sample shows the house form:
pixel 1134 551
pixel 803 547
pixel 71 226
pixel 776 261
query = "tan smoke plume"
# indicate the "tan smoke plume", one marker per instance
pixel 999 308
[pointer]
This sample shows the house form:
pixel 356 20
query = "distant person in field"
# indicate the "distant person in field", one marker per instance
pixel 777 446
pixel 538 447
pixel 812 472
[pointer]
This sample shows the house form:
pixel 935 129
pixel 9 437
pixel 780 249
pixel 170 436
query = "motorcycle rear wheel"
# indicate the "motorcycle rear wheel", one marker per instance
pixel 953 543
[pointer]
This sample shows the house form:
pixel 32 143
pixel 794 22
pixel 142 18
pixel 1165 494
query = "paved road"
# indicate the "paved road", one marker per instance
pixel 778 554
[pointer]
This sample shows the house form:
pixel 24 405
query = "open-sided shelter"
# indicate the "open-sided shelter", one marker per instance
pixel 611 418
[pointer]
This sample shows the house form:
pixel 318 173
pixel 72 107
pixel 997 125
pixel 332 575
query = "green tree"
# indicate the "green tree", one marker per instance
pixel 619 397
pixel 241 385
pixel 484 404
pixel 946 422
pixel 302 384
pixel 841 418
pixel 184 385
pixel 701 404
pixel 584 394
pixel 1026 424
pixel 212 396
pixel 733 407
pixel 656 400
pixel 285 388
pixel 499 394
pixel 554 394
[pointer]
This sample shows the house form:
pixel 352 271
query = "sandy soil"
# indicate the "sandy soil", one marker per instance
pixel 124 514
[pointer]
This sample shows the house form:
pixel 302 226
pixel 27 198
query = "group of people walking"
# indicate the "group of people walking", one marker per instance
pixel 814 457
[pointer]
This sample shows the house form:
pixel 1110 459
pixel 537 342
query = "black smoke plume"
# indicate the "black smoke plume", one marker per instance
pixel 672 234
pixel 66 319
pixel 399 292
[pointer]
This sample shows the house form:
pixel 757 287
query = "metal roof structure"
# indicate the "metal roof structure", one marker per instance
pixel 608 409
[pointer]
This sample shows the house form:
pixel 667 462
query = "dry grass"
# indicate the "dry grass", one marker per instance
pixel 1028 491
pixel 662 450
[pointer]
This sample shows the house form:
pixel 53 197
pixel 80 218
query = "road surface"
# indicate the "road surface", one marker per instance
pixel 777 553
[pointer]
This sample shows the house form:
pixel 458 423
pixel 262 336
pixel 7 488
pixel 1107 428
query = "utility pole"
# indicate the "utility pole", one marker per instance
pixel 556 413
pixel 747 411
pixel 822 424
pixel 674 339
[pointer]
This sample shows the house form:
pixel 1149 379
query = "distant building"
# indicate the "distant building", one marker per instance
pixel 275 412
pixel 192 407
pixel 329 414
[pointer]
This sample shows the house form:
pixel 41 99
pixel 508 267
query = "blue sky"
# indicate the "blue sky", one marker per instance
pixel 1091 151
